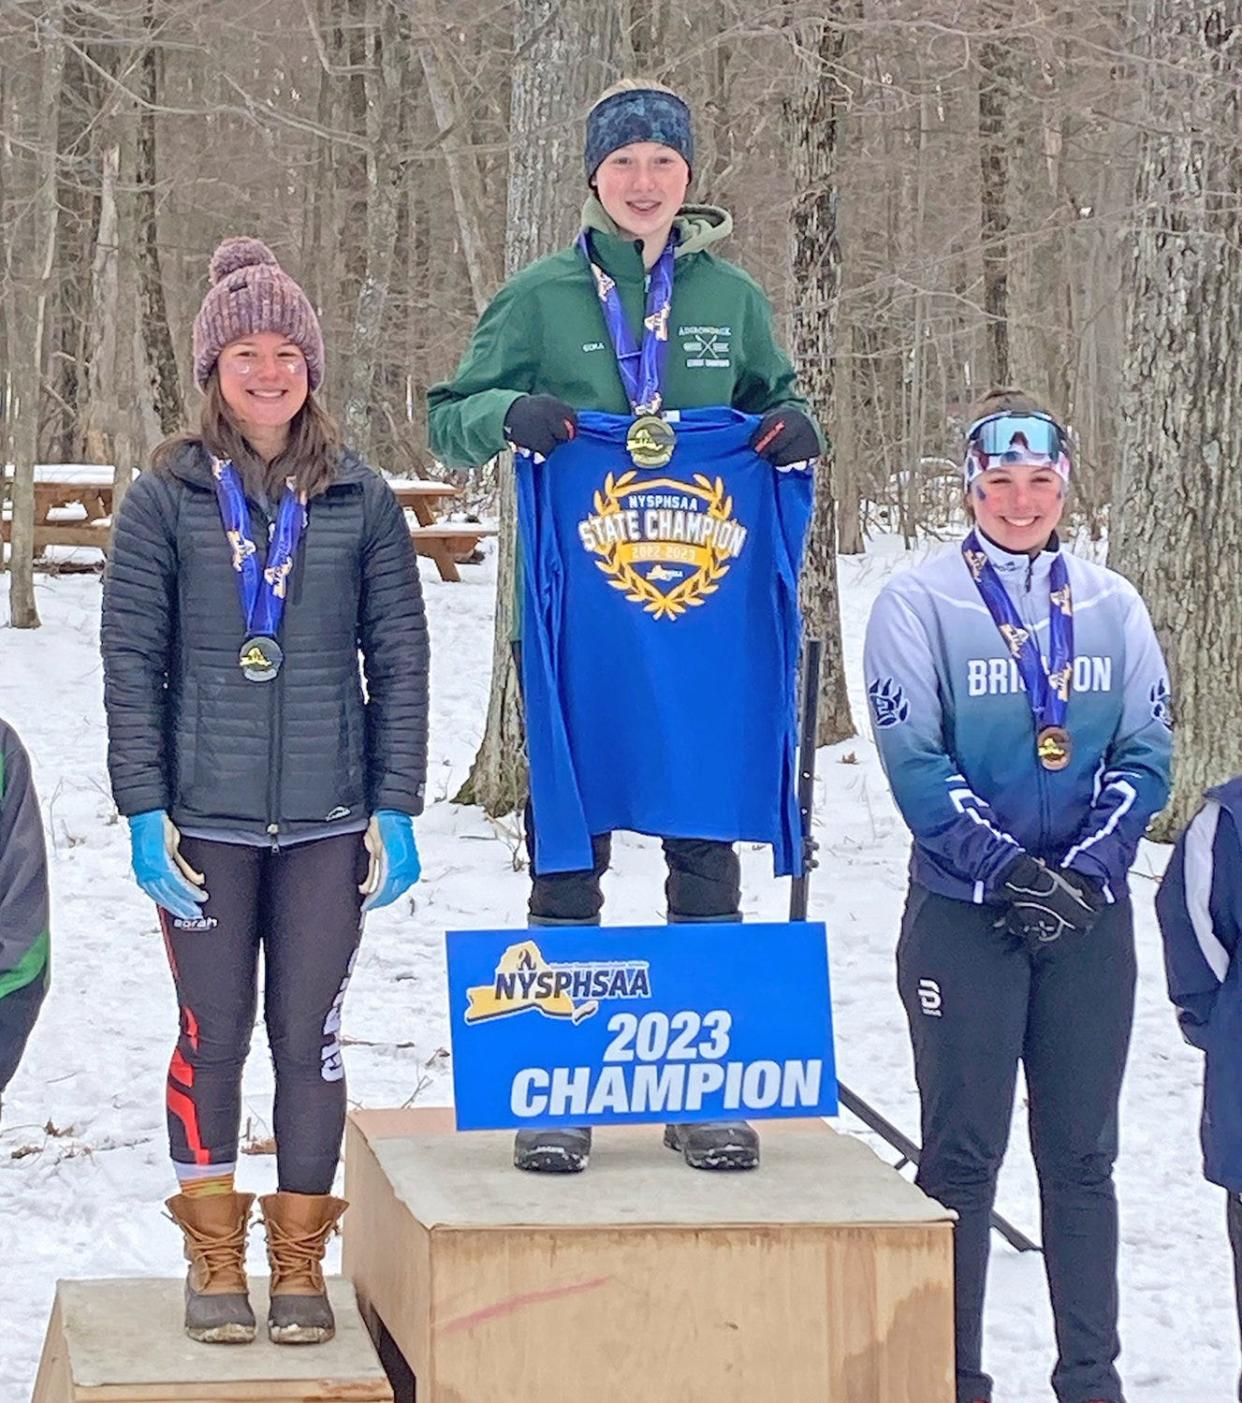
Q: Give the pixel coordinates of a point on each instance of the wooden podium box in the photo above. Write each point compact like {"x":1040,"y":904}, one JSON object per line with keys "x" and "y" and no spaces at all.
{"x":820,"y":1277}
{"x":122,"y":1341}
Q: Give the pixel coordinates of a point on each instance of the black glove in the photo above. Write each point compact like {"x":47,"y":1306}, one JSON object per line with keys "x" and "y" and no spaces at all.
{"x":1091,"y":890}
{"x":540,"y":423}
{"x":785,"y":436}
{"x":1044,"y":903}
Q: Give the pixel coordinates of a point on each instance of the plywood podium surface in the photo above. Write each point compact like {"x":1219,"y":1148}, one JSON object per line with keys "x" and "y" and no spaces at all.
{"x":121,"y":1341}
{"x":822,"y":1276}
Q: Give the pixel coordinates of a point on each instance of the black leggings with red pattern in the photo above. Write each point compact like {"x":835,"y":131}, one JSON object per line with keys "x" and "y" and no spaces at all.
{"x":302,"y":907}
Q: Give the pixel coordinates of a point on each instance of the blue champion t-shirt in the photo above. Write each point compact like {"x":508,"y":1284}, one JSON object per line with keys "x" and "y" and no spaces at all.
{"x":660,"y":632}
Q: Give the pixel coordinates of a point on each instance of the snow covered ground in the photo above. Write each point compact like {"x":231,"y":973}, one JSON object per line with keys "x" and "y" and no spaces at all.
{"x":83,"y":1164}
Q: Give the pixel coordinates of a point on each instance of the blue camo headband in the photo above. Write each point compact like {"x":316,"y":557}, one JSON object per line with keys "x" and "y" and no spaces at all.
{"x":641,"y":114}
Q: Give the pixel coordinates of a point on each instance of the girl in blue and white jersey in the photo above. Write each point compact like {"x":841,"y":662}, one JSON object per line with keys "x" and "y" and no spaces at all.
{"x":1021,"y":708}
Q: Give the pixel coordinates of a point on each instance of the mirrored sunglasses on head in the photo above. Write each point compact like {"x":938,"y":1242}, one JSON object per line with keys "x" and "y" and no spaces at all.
{"x":1017,"y":438}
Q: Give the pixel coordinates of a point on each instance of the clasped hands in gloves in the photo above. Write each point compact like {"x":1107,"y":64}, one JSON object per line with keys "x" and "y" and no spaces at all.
{"x":1043,"y":903}
{"x":170,"y":881}
{"x":541,"y":423}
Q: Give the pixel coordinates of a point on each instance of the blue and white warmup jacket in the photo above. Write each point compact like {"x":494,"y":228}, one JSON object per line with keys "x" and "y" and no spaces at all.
{"x":1200,"y":909}
{"x":956,"y":734}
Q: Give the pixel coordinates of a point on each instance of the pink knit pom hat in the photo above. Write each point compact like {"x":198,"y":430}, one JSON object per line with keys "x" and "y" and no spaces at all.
{"x":251,"y":292}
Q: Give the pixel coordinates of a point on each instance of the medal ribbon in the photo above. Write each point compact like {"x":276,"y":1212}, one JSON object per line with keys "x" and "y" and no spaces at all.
{"x":1047,"y":686}
{"x":262,"y":592}
{"x":641,"y":367}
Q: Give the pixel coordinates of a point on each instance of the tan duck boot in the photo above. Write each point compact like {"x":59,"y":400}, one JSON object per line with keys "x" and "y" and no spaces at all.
{"x":217,"y":1309}
{"x":298,"y":1228}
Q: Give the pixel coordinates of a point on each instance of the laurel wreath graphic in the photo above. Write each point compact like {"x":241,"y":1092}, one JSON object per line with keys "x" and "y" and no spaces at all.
{"x":622,"y":575}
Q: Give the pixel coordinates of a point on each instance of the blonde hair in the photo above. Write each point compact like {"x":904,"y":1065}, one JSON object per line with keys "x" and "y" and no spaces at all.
{"x":634,"y":85}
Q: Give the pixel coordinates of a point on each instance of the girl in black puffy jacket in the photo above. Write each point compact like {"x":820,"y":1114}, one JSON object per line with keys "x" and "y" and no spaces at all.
{"x":270,"y":798}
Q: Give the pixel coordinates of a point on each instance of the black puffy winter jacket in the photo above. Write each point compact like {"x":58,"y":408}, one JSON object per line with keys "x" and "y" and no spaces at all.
{"x":188,"y":733}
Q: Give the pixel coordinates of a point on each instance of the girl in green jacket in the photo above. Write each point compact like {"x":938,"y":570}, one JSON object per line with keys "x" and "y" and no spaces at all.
{"x":541,"y":352}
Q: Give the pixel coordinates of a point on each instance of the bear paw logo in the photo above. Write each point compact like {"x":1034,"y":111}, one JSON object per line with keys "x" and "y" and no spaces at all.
{"x":888,"y":702}
{"x":1162,"y":704}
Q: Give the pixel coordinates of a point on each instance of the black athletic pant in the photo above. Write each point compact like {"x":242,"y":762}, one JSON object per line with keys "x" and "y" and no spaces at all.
{"x":1233,"y":1217}
{"x":18,"y":1010}
{"x":978,"y":1003}
{"x":303,"y":907}
{"x":704,"y":882}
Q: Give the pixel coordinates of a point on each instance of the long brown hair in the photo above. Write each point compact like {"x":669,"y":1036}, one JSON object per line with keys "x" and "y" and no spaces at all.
{"x":310,"y":457}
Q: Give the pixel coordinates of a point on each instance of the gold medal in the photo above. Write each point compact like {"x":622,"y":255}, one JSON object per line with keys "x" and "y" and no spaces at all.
{"x":260,"y":659}
{"x":1053,"y":747}
{"x":650,"y":441}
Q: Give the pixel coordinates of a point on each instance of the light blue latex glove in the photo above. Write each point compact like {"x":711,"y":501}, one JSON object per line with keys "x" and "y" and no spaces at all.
{"x":394,"y":858}
{"x":165,"y":876}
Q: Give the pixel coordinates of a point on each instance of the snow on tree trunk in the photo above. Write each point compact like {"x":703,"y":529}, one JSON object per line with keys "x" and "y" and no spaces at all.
{"x":1177,"y":517}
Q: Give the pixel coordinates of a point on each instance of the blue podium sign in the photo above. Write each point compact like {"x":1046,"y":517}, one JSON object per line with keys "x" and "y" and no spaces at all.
{"x":631,"y":1024}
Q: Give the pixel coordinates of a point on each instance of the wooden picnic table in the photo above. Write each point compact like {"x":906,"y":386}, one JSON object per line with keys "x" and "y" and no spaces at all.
{"x":87,"y":486}
{"x":88,"y":489}
{"x":448,"y":543}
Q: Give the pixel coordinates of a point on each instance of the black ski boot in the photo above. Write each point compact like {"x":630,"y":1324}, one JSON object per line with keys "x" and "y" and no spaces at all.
{"x":558,"y":1150}
{"x":715,"y":1144}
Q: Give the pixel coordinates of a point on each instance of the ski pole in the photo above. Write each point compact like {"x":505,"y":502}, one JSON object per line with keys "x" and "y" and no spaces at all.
{"x":798,"y":895}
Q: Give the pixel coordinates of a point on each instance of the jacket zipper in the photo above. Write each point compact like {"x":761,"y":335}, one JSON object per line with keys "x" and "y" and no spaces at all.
{"x":1041,"y":778}
{"x":273,"y":761}
{"x":275,"y":688}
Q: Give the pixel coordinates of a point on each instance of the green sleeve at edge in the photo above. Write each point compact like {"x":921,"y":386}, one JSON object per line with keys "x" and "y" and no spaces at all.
{"x":769,"y":380}
{"x":31,"y":965}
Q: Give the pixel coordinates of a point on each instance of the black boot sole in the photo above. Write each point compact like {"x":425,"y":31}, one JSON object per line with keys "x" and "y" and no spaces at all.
{"x":550,"y":1159}
{"x":723,"y":1157}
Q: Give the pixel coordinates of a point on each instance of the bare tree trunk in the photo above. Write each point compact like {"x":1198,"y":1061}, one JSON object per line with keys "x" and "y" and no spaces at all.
{"x":387,"y":76}
{"x":156,"y":334}
{"x":814,"y":116}
{"x":99,"y":422}
{"x":28,"y":358}
{"x":845,"y":445}
{"x":475,"y":210}
{"x":8,"y":301}
{"x":563,"y":57}
{"x":916,"y":407}
{"x":137,"y":428}
{"x":993,"y":177}
{"x":1178,"y":527}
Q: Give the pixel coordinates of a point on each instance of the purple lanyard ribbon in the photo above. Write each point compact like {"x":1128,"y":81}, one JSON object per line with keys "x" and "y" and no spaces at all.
{"x":641,"y":367}
{"x":262,"y":593}
{"x":1048,"y":687}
